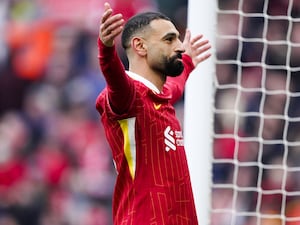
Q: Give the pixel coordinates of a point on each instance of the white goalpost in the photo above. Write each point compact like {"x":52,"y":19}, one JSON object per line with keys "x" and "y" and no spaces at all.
{"x":242,"y":113}
{"x":198,"y":112}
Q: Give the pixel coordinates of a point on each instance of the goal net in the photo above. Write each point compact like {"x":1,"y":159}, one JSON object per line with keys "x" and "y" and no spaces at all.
{"x":255,"y":169}
{"x":256,"y":138}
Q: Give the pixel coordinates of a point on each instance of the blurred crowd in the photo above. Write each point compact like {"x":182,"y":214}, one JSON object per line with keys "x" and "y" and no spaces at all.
{"x":55,"y":164}
{"x":256,"y":169}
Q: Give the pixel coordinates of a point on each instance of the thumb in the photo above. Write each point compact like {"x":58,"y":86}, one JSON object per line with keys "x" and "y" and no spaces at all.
{"x":106,"y":6}
{"x":187,"y":37}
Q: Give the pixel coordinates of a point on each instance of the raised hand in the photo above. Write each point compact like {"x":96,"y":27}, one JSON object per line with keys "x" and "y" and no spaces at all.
{"x":110,"y":26}
{"x":196,"y":47}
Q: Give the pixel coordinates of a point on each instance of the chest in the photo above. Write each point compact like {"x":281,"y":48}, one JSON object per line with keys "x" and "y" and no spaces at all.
{"x":156,"y":112}
{"x":157,"y":123}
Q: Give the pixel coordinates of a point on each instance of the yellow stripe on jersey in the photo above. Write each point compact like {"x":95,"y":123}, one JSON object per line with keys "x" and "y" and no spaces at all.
{"x":128,"y":129}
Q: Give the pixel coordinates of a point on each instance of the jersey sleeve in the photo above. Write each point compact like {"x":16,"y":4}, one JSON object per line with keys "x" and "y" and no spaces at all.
{"x":120,"y":88}
{"x":177,"y":84}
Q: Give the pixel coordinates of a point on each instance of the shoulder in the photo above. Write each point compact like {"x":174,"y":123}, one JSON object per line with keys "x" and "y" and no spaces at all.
{"x":138,"y":96}
{"x":100,"y":101}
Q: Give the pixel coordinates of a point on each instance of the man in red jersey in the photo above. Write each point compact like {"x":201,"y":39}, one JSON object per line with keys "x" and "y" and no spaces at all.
{"x":153,"y":184}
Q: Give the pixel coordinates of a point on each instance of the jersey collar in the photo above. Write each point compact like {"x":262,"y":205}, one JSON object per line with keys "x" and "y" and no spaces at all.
{"x":141,"y":79}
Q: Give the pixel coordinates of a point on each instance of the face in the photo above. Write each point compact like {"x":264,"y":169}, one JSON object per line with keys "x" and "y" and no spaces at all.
{"x":164,"y":48}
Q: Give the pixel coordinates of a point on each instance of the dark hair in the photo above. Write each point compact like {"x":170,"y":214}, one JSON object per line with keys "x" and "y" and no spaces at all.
{"x":138,"y":23}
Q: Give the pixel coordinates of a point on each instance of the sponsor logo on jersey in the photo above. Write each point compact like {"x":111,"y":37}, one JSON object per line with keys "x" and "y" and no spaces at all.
{"x":173,"y":139}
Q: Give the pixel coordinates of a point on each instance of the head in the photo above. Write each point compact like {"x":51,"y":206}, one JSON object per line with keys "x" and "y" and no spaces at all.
{"x":152,"y":35}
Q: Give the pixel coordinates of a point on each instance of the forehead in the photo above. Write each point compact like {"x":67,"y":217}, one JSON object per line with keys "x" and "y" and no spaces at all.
{"x":161,"y":27}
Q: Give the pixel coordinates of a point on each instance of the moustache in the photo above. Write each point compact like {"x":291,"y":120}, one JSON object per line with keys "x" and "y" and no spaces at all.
{"x":177,"y":56}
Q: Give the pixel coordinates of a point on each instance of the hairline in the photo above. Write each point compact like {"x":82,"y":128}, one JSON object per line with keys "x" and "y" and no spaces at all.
{"x":144,"y":27}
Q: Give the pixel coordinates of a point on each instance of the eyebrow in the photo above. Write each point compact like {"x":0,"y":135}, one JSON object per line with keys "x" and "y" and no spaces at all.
{"x":170,"y":35}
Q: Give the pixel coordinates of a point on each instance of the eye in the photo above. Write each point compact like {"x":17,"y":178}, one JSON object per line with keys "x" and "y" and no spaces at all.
{"x":169,"y":39}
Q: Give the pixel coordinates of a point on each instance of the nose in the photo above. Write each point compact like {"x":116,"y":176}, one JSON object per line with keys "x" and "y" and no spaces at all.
{"x":179,"y":47}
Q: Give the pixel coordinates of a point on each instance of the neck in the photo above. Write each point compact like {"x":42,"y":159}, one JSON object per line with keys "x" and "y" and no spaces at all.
{"x":155,"y":78}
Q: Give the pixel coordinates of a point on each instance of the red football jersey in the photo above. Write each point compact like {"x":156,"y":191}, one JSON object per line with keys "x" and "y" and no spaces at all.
{"x":153,"y":184}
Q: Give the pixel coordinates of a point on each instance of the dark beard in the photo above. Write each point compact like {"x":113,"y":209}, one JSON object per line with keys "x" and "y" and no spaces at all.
{"x":173,"y":66}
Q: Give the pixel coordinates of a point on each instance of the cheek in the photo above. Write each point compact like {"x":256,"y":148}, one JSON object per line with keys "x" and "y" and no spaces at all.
{"x":154,"y":56}
{"x":156,"y":48}
{"x":154,"y":51}
{"x":159,"y":52}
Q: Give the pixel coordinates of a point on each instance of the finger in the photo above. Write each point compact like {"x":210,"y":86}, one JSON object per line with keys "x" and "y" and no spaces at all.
{"x":201,"y":58}
{"x":107,"y":13}
{"x":106,"y":6}
{"x":109,"y":30}
{"x":112,"y":23}
{"x":200,"y":51}
{"x":112,"y":20}
{"x":116,"y":25}
{"x":199,"y":44}
{"x":114,"y":28}
{"x":202,"y":55}
{"x":187,"y":36}
{"x":196,"y":39}
{"x":113,"y":34}
{"x":203,"y":49}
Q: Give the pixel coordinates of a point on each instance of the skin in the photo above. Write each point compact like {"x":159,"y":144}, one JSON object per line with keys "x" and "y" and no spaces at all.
{"x":147,"y":50}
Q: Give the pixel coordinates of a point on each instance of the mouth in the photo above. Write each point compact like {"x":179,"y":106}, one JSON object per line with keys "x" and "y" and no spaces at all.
{"x":177,"y":57}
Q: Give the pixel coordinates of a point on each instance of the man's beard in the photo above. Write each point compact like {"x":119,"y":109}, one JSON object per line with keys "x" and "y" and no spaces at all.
{"x":173,"y":66}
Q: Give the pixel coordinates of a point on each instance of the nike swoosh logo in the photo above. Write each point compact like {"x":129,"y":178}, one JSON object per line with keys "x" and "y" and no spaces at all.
{"x":157,"y":106}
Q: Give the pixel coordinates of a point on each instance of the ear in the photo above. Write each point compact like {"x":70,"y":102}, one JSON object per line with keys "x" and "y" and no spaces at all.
{"x":139,"y":46}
